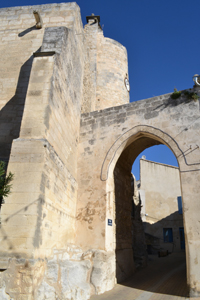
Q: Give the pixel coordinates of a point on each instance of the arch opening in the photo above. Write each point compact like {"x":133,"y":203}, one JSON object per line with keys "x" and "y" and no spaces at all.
{"x":130,"y":239}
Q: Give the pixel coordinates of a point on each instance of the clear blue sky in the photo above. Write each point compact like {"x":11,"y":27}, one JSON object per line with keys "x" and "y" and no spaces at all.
{"x":161,"y":37}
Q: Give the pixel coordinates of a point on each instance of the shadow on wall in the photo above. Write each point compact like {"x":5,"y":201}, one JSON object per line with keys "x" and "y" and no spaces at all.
{"x":27,"y":31}
{"x":8,"y":245}
{"x":164,"y":275}
{"x":166,"y":234}
{"x":123,"y":206}
{"x":11,"y":114}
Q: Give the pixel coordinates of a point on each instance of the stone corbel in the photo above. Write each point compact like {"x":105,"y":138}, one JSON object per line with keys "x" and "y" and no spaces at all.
{"x":38,"y":19}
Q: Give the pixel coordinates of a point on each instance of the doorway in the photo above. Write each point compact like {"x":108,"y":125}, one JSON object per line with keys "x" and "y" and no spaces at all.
{"x":131,"y":240}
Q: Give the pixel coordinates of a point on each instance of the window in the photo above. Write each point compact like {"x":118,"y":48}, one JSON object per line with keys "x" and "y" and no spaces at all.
{"x":168,"y":235}
{"x":179,"y":199}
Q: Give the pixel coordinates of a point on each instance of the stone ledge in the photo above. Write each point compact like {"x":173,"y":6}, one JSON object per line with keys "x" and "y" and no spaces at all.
{"x":3,"y":263}
{"x":39,"y":54}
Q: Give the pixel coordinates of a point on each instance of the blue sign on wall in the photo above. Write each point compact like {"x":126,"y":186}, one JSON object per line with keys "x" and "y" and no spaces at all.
{"x":109,"y":222}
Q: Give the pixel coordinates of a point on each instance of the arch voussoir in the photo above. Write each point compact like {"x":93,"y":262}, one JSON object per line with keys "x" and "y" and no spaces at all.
{"x":129,"y":137}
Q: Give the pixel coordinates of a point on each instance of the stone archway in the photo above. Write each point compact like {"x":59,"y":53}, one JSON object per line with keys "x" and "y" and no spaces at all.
{"x":116,"y":170}
{"x":112,"y":135}
{"x":152,"y":135}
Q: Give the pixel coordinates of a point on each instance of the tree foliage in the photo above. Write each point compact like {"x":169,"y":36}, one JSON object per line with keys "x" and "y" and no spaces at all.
{"x":5,"y":182}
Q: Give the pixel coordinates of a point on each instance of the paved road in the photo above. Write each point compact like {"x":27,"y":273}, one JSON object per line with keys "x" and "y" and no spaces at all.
{"x":163,"y":279}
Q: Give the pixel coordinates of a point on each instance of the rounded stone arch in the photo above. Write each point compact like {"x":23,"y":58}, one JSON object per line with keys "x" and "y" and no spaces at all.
{"x":134,"y":141}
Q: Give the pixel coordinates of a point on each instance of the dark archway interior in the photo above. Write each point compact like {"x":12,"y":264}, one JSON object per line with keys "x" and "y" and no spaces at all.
{"x":123,"y":198}
{"x":129,"y":231}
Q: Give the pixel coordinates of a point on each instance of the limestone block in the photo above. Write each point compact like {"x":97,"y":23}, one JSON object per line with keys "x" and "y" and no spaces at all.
{"x":46,"y":292}
{"x":25,"y":297}
{"x":3,"y":294}
{"x":103,"y":272}
{"x":52,"y":272}
{"x":20,"y":208}
{"x":66,"y":279}
{"x":74,"y":276}
{"x":54,"y":36}
{"x":56,"y":19}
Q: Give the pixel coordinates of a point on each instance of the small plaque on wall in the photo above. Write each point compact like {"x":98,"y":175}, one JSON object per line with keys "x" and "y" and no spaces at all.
{"x":109,"y":222}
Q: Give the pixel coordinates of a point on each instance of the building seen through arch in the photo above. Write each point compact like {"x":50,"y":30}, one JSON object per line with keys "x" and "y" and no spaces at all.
{"x":161,"y":202}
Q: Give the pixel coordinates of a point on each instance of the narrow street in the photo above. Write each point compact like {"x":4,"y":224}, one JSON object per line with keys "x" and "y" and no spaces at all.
{"x":163,"y":279}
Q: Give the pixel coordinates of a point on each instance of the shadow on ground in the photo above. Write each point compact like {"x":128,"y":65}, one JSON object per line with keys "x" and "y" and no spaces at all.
{"x":163,"y":279}
{"x":164,"y":275}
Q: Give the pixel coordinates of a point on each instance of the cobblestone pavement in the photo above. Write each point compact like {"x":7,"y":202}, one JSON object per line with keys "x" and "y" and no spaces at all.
{"x":163,"y":279}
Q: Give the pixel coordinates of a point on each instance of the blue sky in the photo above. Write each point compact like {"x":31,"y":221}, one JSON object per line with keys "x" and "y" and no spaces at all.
{"x":162,"y":40}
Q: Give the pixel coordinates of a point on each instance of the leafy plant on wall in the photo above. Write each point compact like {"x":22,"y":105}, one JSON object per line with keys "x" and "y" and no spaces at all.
{"x":5,"y":182}
{"x":190,"y":95}
{"x":176,"y":94}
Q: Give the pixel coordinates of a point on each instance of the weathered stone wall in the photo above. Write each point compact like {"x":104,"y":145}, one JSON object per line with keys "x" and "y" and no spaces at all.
{"x":106,"y":67}
{"x":112,"y":68}
{"x":122,"y":133}
{"x":161,"y":184}
{"x":38,"y":219}
{"x":39,"y":216}
{"x":124,"y":243}
{"x":19,"y":40}
{"x":69,"y":274}
{"x":43,"y":224}
{"x":50,"y":125}
{"x":191,"y":207}
{"x":91,"y":32}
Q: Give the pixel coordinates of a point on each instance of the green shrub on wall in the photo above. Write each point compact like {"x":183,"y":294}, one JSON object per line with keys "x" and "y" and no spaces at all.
{"x":176,"y":94}
{"x":190,"y":95}
{"x":5,"y":186}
